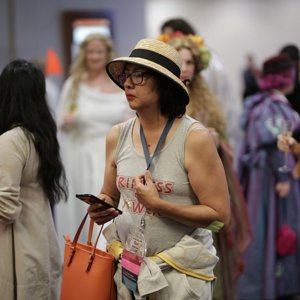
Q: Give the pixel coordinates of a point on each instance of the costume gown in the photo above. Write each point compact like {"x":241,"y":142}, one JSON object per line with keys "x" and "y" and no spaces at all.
{"x":268,"y":275}
{"x":83,"y":152}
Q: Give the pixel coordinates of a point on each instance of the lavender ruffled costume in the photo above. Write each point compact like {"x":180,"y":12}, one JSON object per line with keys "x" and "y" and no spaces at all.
{"x":268,"y":275}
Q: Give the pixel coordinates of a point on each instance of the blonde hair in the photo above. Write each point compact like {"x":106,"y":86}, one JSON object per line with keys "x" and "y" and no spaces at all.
{"x":79,"y":66}
{"x":201,"y":98}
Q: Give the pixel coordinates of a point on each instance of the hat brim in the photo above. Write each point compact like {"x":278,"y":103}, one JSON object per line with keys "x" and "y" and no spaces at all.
{"x":116,"y":67}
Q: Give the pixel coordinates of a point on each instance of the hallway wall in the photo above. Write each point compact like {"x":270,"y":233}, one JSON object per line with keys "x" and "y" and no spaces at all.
{"x":38,"y":25}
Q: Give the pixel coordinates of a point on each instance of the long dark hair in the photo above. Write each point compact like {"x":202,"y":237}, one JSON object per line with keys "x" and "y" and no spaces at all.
{"x":23,"y":103}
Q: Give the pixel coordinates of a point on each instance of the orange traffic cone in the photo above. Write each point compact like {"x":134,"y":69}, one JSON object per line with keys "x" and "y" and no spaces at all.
{"x":52,"y":64}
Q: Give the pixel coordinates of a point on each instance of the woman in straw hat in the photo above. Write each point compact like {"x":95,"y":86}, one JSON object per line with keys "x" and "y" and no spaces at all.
{"x":163,"y":171}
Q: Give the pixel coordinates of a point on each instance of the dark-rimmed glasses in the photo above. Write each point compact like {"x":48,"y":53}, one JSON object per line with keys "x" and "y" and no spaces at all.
{"x":136,"y":77}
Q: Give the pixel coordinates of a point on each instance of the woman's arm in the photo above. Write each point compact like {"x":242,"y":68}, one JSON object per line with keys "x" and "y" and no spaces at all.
{"x":207,"y":178}
{"x":12,"y":161}
{"x":65,"y":117}
{"x":109,"y":191}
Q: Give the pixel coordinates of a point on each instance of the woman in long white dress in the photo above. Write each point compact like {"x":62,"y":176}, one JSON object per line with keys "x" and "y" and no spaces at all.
{"x":90,"y":104}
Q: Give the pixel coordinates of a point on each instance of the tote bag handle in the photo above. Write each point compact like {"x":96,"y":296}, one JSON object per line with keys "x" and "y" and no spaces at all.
{"x":75,"y":240}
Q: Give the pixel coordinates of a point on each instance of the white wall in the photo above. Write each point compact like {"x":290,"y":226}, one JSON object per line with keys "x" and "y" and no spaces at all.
{"x":233,"y":27}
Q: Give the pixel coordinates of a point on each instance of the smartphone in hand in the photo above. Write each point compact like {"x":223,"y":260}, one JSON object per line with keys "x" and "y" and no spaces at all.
{"x":91,"y":199}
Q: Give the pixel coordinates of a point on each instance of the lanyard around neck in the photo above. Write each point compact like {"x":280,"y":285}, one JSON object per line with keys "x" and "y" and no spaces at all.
{"x":160,"y":141}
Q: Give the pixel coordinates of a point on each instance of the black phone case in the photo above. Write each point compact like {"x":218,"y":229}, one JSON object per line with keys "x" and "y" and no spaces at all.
{"x":91,"y":199}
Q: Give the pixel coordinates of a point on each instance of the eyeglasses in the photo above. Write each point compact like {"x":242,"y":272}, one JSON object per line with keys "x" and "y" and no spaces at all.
{"x":136,"y":77}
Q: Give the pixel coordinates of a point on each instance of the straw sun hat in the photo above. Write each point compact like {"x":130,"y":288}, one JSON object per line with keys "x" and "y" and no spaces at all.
{"x":155,"y":55}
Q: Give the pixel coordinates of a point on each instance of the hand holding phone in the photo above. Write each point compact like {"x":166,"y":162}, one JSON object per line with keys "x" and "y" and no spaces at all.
{"x":91,"y":199}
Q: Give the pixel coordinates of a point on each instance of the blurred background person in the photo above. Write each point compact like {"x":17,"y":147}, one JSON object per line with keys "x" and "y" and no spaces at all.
{"x":216,"y":78}
{"x":31,"y":179}
{"x":177,"y":25}
{"x":294,"y":97}
{"x":231,"y":241}
{"x":250,"y":76}
{"x":90,"y":104}
{"x":272,"y":261}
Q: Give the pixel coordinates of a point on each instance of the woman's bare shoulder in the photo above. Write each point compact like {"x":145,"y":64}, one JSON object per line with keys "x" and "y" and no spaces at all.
{"x":114,"y":132}
{"x":198,"y":134}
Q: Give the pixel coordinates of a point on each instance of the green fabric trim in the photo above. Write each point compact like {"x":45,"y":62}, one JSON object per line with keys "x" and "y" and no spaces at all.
{"x":215,"y":226}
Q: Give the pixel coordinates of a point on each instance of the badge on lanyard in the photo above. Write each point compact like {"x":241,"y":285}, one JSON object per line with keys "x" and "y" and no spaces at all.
{"x":132,"y":257}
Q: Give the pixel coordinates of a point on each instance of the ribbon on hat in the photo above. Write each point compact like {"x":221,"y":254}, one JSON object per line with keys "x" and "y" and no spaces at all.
{"x":158,"y":59}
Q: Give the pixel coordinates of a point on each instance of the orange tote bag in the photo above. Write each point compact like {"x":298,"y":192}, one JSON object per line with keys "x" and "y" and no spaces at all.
{"x":88,"y":272}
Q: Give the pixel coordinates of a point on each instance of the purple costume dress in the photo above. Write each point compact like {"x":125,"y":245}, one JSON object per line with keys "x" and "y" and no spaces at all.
{"x":268,"y":275}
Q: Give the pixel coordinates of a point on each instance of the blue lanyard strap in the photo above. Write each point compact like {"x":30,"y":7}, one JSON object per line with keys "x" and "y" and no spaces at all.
{"x":160,"y":141}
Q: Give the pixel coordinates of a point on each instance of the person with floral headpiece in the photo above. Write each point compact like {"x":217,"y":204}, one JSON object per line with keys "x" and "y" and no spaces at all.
{"x":204,"y":107}
{"x":216,"y":78}
{"x":272,"y":261}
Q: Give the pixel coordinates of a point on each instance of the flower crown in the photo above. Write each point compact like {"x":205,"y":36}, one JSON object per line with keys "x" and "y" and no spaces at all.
{"x":198,"y":40}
